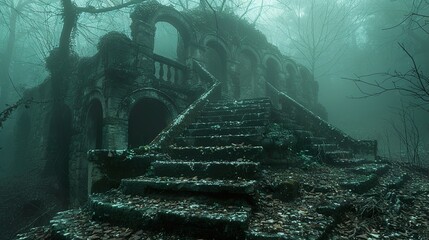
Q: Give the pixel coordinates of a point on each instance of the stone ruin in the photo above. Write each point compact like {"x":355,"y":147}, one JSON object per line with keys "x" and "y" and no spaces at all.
{"x":201,"y":146}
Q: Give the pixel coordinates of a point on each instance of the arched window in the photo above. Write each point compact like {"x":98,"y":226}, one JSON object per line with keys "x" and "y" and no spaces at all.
{"x":168,"y":42}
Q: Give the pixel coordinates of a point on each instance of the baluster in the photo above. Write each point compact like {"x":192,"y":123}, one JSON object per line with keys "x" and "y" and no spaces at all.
{"x":169,"y":73}
{"x":161,"y":71}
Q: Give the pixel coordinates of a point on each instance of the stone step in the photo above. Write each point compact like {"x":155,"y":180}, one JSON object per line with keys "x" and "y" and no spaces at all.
{"x":216,"y":130}
{"x":231,"y":152}
{"x":339,"y":154}
{"x":215,"y":170}
{"x":294,"y":126}
{"x":327,"y":147}
{"x":234,"y":117}
{"x":143,"y":185}
{"x":395,"y":180}
{"x":347,"y":162}
{"x":303,"y":134}
{"x":234,"y":111}
{"x":239,"y":102}
{"x":219,"y":140}
{"x":318,"y":140}
{"x":360,"y":184}
{"x":368,"y":169}
{"x":79,"y":224}
{"x":204,"y":218}
{"x":226,"y":124}
{"x":295,"y":220}
{"x":266,"y":105}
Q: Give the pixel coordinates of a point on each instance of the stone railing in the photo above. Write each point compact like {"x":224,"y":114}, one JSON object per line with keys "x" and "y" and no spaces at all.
{"x":186,"y":117}
{"x":108,"y":167}
{"x":317,"y":125}
{"x":168,"y":70}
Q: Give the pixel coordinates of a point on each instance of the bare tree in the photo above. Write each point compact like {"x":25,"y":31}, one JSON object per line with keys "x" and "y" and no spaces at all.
{"x":414,"y":83}
{"x":12,"y":9}
{"x":408,"y":133}
{"x":317,"y":29}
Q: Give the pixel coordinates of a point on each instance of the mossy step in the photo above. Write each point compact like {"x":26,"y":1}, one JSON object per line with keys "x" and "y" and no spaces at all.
{"x":369,"y":169}
{"x":304,"y":134}
{"x":264,"y":105}
{"x":80,"y":225}
{"x":317,"y":140}
{"x":288,"y":221}
{"x":350,"y":162}
{"x":333,"y":155}
{"x":394,"y":181}
{"x":231,"y":111}
{"x":220,"y":140}
{"x":325,"y":147}
{"x":184,"y":216}
{"x":225,"y":124}
{"x":234,"y":117}
{"x":226,"y":153}
{"x":142,"y":185}
{"x":238,"y":102}
{"x":217,"y":130}
{"x":360,"y":184}
{"x":215,"y":170}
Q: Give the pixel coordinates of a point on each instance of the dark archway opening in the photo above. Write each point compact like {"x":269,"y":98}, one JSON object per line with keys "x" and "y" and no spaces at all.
{"x":58,"y":155}
{"x":216,"y":60}
{"x":273,"y":71}
{"x":94,"y":140}
{"x":147,"y":119}
{"x":247,"y":73}
{"x":94,"y":124}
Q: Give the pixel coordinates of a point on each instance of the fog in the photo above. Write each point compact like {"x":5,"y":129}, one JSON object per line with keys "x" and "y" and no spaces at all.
{"x":357,"y":50}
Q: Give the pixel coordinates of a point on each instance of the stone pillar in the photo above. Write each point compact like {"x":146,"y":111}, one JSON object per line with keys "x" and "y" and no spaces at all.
{"x":143,"y":35}
{"x":115,"y":133}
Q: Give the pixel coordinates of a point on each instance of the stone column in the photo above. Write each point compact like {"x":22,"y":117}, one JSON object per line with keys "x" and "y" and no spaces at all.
{"x":143,"y":35}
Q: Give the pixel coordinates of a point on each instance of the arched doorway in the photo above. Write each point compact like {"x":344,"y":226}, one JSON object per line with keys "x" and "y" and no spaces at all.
{"x":94,"y":140}
{"x":272,"y":72}
{"x":247,"y":74}
{"x":147,"y":119}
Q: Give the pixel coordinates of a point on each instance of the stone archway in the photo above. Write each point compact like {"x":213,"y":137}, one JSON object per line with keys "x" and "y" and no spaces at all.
{"x":147,"y":118}
{"x":93,"y":140}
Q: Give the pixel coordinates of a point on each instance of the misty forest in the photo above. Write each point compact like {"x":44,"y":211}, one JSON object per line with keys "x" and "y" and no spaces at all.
{"x":214,"y":119}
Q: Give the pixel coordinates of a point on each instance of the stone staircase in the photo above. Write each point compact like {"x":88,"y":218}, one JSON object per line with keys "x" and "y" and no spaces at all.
{"x":207,"y":184}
